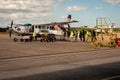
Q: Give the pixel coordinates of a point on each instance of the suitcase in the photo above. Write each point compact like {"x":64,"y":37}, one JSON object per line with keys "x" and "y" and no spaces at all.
{"x":119,"y":43}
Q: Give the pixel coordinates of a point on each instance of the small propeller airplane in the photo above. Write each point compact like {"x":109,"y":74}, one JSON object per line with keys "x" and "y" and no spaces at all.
{"x":56,"y":28}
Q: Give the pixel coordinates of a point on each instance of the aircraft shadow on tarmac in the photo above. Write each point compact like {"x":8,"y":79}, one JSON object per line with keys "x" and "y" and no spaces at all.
{"x":109,"y":71}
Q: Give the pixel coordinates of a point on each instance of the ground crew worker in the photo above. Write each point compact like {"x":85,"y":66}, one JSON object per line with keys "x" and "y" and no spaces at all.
{"x":34,"y":36}
{"x":88,"y":35}
{"x":46,"y":38}
{"x":76,"y":35}
{"x":71,"y":35}
{"x":83,"y":35}
{"x":93,"y":35}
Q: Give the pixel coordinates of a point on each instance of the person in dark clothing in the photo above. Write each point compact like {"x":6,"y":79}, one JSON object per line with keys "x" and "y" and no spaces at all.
{"x":68,"y":33}
{"x":76,"y":35}
{"x":81,"y":36}
{"x":93,"y":35}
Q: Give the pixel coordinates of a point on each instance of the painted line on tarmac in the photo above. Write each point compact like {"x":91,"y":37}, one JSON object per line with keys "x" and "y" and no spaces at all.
{"x":59,"y":53}
{"x":112,"y":78}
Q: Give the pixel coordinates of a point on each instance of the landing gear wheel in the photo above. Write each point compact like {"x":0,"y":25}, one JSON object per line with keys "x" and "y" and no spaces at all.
{"x":41,"y":40}
{"x":53,"y":39}
{"x":24,"y":40}
{"x":15,"y":39}
{"x":21,"y":40}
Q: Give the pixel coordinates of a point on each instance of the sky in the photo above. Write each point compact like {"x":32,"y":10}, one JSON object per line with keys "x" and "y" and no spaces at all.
{"x":46,"y":11}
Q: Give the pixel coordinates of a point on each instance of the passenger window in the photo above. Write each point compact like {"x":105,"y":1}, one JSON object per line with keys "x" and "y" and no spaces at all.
{"x":51,"y":27}
{"x":39,"y":27}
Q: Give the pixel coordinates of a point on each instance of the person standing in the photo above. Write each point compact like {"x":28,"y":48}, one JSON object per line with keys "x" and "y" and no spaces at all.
{"x":88,"y":35}
{"x":34,"y":36}
{"x":81,"y":36}
{"x":71,"y":36}
{"x":76,"y":35}
{"x":93,"y":35}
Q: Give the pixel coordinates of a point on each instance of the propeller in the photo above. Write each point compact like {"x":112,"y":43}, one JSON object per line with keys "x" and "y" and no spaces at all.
{"x":10,"y":29}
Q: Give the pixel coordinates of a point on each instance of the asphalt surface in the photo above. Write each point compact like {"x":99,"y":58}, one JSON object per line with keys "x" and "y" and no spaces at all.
{"x":59,"y":60}
{"x":100,"y":72}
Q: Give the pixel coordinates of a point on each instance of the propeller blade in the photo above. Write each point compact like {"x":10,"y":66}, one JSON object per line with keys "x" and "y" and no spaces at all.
{"x":11,"y":24}
{"x":10,"y":32}
{"x":10,"y":29}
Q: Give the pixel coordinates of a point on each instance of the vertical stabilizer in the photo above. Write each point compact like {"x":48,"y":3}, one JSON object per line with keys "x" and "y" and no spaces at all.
{"x":69,"y":18}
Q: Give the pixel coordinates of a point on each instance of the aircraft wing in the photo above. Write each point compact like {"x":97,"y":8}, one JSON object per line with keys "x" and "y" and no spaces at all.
{"x":59,"y":23}
{"x":64,"y":22}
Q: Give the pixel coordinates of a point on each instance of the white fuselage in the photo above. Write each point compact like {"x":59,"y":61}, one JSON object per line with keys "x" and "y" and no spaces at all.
{"x":39,"y":29}
{"x":20,"y":29}
{"x":48,"y":29}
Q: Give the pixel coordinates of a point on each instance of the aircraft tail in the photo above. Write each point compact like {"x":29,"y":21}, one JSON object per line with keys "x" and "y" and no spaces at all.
{"x":69,"y":18}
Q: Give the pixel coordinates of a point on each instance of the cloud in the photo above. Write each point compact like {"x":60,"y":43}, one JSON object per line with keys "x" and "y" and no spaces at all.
{"x":22,"y":9}
{"x":64,"y":16}
{"x":98,"y":8}
{"x":76,"y":8}
{"x":113,"y":2}
{"x":63,"y":0}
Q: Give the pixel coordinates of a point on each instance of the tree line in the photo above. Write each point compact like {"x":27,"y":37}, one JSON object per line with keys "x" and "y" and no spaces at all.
{"x":3,"y":29}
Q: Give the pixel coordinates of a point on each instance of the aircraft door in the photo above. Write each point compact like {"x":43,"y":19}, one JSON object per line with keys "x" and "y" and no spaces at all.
{"x":32,"y":29}
{"x":36,"y":29}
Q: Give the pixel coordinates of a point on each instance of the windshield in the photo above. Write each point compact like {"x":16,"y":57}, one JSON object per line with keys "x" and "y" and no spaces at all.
{"x":27,"y":25}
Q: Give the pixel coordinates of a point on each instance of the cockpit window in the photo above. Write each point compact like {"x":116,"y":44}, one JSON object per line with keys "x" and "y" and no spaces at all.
{"x":27,"y":25}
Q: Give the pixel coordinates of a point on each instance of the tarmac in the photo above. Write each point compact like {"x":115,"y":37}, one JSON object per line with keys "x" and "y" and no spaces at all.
{"x":9,"y":48}
{"x":67,"y":59}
